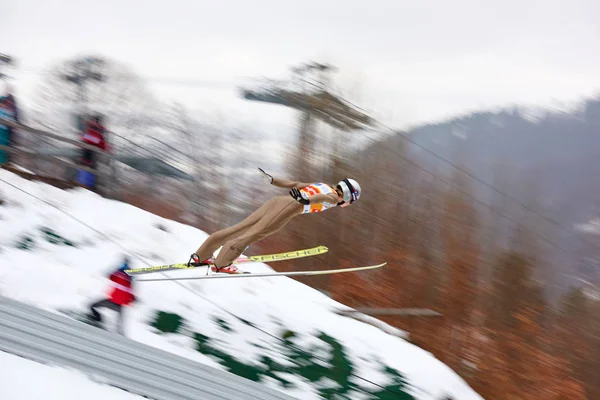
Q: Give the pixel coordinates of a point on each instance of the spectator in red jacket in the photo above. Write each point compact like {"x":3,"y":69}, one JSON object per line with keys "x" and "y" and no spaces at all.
{"x":94,"y":135}
{"x":120,"y":294}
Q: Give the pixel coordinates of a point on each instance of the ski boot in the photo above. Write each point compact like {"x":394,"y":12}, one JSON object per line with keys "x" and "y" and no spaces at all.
{"x":227,"y":269}
{"x":195,"y":261}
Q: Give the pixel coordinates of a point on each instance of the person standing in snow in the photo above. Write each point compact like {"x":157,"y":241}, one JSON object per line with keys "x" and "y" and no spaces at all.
{"x":94,"y":135}
{"x":272,"y":216}
{"x":120,"y":295}
{"x":10,"y":103}
{"x":8,"y":110}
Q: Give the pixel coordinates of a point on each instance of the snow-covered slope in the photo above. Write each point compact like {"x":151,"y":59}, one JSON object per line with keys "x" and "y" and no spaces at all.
{"x":55,"y":254}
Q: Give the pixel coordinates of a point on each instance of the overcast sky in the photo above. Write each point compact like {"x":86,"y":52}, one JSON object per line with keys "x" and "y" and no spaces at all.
{"x":410,"y":61}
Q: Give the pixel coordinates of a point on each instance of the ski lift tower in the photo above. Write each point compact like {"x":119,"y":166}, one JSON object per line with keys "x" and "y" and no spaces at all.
{"x":309,"y":92}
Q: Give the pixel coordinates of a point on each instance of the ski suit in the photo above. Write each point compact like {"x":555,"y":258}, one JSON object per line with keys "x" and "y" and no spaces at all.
{"x":265,"y":221}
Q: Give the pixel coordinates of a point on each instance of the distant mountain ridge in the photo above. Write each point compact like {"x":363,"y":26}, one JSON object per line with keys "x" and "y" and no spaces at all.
{"x":555,"y":155}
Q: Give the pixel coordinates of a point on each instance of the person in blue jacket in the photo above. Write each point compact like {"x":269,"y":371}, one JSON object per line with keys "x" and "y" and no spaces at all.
{"x":7,"y":111}
{"x":10,"y":111}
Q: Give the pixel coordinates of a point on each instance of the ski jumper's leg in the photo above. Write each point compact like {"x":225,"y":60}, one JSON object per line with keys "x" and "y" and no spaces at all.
{"x":282,"y":209}
{"x":216,"y":240}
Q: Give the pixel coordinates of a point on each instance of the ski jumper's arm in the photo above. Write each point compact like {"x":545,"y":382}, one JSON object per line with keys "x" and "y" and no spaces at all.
{"x":288,"y":184}
{"x":330,"y":198}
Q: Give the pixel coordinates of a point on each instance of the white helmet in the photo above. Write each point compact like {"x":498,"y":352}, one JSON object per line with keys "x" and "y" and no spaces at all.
{"x":351,"y":190}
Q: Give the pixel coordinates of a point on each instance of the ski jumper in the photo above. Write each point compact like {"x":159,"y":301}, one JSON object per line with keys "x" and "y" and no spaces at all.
{"x":266,"y":220}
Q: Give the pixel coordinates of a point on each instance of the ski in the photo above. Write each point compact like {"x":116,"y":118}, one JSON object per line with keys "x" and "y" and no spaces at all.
{"x":265,"y":274}
{"x":290,"y":255}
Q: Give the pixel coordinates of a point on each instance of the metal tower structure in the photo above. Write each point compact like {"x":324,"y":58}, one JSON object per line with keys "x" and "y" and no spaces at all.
{"x":309,"y":92}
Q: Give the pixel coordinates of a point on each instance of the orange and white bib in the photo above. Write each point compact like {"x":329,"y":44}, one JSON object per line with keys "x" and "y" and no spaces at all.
{"x":311,"y":190}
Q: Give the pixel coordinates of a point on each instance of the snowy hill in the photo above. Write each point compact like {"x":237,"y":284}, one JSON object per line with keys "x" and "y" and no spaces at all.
{"x":55,"y":252}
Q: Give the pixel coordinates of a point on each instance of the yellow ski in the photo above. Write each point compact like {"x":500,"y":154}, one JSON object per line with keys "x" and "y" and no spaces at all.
{"x":290,"y":255}
{"x":284,"y":256}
